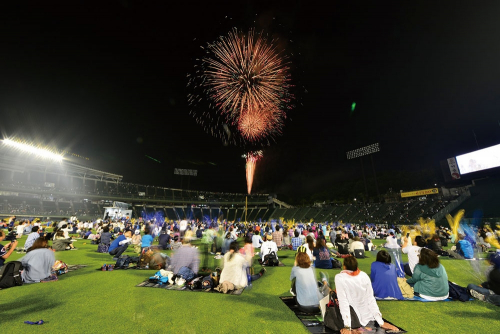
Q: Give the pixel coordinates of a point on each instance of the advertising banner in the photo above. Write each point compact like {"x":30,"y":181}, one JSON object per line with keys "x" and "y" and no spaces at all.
{"x":432,"y":191}
{"x":452,"y":163}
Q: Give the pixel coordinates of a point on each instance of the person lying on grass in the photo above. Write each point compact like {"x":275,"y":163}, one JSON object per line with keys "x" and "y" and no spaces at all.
{"x":235,"y":267}
{"x":429,"y":279}
{"x":490,"y":290}
{"x":354,"y":289}
{"x":37,"y":262}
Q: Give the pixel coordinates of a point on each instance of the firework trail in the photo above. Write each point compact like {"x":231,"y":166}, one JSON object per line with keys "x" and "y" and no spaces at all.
{"x":244,"y":81}
{"x":252,"y":158}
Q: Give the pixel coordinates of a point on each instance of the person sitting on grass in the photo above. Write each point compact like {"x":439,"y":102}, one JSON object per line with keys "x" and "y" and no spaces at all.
{"x":120,"y":244}
{"x":105,"y":239}
{"x":147,"y":239}
{"x":256,"y":240}
{"x":434,"y":244}
{"x":305,"y":288}
{"x":228,"y":239}
{"x":37,"y":262}
{"x":413,"y":252}
{"x":384,"y":277}
{"x":177,"y":243}
{"x":185,"y":256}
{"x":356,"y":244}
{"x":31,"y":238}
{"x":322,"y":255}
{"x":61,"y":243}
{"x":463,"y":249}
{"x":235,"y":267}
{"x":489,"y":291}
{"x":392,"y":241}
{"x":6,"y":250}
{"x":164,"y":240}
{"x":296,"y":241}
{"x":137,"y":241}
{"x":268,"y":247}
{"x":354,"y":289}
{"x":429,"y":280}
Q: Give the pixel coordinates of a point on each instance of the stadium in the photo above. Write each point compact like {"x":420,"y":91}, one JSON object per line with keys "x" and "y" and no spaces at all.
{"x":249,"y":167}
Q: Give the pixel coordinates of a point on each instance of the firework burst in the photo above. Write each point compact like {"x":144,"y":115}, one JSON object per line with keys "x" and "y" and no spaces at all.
{"x":252,"y":158}
{"x":245,"y":83}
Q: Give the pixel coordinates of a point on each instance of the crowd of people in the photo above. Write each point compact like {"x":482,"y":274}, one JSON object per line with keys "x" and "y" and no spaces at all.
{"x":317,"y":246}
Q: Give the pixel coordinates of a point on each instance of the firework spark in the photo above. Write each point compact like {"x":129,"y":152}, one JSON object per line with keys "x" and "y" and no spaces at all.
{"x":254,"y":124}
{"x":252,"y":158}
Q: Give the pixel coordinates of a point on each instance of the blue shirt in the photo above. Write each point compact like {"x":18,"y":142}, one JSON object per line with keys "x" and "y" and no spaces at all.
{"x":323,"y":260}
{"x":116,"y":242}
{"x":385,"y":281}
{"x":466,"y":249}
{"x":147,"y":240}
{"x":306,"y":286}
{"x":296,"y":243}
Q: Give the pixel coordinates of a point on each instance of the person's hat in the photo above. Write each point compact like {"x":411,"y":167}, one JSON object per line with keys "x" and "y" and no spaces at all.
{"x":269,"y":237}
{"x":137,"y":232}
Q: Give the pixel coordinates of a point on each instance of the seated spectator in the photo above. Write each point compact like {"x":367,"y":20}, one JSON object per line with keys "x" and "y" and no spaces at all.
{"x":463,"y":249}
{"x":286,"y":238}
{"x":120,"y":244}
{"x":356,"y":244}
{"x":227,"y":242}
{"x":137,"y":241}
{"x":256,"y":240}
{"x":31,"y":238}
{"x":384,"y":277}
{"x":20,"y":230}
{"x":105,"y":236}
{"x":278,"y":238}
{"x":354,"y":289}
{"x":37,"y":262}
{"x":147,"y":239}
{"x":296,"y":241}
{"x":164,"y":240}
{"x":305,"y":286}
{"x":429,"y":277}
{"x":490,"y":290}
{"x":268,"y":247}
{"x":434,"y":244}
{"x":189,"y":234}
{"x":392,"y":241}
{"x":413,"y":252}
{"x":322,"y":255}
{"x":177,"y":243}
{"x":309,"y":247}
{"x":235,"y":267}
{"x":185,"y":256}
{"x":61,"y":243}
{"x":6,"y":250}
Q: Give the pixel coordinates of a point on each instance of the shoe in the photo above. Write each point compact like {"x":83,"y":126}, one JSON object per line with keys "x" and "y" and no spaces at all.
{"x":324,"y":277}
{"x":477,"y":295}
{"x":291,"y":292}
{"x":262,"y":271}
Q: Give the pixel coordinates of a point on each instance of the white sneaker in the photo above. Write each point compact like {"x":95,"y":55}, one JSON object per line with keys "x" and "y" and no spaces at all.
{"x":477,"y":295}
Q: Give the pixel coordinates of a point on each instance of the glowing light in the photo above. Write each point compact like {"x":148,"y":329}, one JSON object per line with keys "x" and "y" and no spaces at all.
{"x":252,"y":158}
{"x":37,"y":151}
{"x":454,"y":222}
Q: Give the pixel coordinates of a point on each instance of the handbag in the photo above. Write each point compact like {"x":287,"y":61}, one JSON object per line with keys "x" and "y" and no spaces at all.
{"x":333,"y":317}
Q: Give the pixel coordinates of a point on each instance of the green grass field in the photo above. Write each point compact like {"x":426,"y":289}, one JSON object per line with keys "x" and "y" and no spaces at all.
{"x":92,"y":301}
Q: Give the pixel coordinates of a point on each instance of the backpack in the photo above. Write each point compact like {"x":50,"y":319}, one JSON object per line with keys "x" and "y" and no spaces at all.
{"x":336,"y":264}
{"x":458,"y":292}
{"x":124,"y":261}
{"x":59,"y":268}
{"x":11,"y":275}
{"x":207,"y":283}
{"x":271,"y":260}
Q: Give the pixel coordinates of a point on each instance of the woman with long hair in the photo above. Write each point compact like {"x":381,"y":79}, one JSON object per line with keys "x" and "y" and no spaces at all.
{"x":37,"y":262}
{"x":429,"y":277}
{"x":235,"y":265}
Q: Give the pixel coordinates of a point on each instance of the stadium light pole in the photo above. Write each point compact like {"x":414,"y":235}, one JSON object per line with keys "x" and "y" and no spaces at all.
{"x":360,"y":153}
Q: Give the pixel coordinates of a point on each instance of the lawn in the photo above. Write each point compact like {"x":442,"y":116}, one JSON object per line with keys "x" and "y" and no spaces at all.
{"x":92,"y":301}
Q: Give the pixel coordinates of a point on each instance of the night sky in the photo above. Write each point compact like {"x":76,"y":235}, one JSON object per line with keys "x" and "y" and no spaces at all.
{"x":107,"y":80}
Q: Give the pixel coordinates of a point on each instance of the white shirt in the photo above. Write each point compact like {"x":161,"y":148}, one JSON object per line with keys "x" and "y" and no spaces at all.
{"x":268,"y":247}
{"x":357,"y":291}
{"x":391,"y":242}
{"x":413,"y":252}
{"x":235,"y":269}
{"x":256,"y":240}
{"x":309,"y":251}
{"x":356,"y":245}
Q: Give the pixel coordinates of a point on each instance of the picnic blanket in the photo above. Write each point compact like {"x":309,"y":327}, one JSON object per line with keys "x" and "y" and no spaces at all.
{"x":147,"y":284}
{"x":420,"y":299}
{"x":314,"y":322}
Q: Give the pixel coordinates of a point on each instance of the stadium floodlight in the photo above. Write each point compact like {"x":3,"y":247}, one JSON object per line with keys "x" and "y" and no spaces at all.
{"x":188,"y":172}
{"x":366,"y":150}
{"x":39,"y":152}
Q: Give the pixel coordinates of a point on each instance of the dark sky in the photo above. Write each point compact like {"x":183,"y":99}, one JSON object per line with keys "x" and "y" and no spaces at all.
{"x":107,"y":80}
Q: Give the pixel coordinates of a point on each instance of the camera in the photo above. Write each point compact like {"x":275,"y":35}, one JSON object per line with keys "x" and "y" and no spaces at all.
{"x":11,"y":236}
